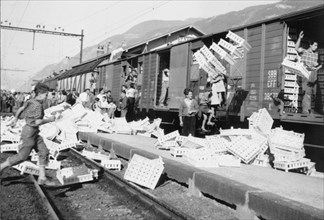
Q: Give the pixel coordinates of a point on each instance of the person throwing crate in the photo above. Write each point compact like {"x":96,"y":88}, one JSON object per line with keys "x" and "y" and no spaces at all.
{"x":309,"y":58}
{"x":32,"y":111}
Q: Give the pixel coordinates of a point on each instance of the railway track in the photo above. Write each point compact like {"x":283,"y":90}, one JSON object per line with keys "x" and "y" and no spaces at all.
{"x":109,"y":197}
{"x":135,"y":202}
{"x":162,"y":208}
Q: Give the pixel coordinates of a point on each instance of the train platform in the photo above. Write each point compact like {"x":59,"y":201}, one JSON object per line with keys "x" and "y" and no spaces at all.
{"x":255,"y":190}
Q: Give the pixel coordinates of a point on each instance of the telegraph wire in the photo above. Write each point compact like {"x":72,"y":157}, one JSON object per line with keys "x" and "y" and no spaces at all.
{"x":86,"y":17}
{"x":131,"y":19}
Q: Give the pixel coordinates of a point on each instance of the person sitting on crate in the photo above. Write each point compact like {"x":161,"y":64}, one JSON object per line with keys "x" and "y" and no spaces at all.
{"x":309,"y":58}
{"x":32,"y":111}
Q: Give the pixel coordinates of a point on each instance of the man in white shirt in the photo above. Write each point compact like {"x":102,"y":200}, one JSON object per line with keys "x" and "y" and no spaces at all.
{"x":101,"y":94}
{"x":165,"y":87}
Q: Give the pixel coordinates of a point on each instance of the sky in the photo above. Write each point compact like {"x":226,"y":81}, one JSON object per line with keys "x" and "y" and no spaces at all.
{"x":99,"y":20}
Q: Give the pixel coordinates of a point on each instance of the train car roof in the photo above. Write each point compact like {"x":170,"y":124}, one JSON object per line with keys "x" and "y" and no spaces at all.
{"x":313,"y":11}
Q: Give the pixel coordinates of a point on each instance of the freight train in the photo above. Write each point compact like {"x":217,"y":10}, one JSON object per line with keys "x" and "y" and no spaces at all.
{"x":252,"y":81}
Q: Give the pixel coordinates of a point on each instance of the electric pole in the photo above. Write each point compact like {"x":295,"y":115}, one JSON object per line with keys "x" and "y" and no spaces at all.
{"x":34,"y":31}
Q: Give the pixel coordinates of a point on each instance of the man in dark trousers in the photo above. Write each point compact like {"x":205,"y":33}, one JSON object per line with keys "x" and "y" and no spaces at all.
{"x":70,"y":98}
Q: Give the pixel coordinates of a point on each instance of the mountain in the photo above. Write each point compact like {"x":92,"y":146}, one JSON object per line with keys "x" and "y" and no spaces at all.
{"x":134,"y":35}
{"x":152,"y":28}
{"x":253,"y":14}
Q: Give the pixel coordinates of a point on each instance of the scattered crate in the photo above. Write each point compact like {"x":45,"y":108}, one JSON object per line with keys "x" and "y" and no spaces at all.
{"x":287,"y":140}
{"x":262,"y":160}
{"x":291,"y":84}
{"x":52,"y":164}
{"x":158,"y":133}
{"x":111,"y":164}
{"x":291,"y":90}
{"x":291,"y":77}
{"x":170,"y":136}
{"x":178,"y":151}
{"x":217,"y":144}
{"x":261,"y":121}
{"x":194,"y":142}
{"x":211,"y":58}
{"x":72,"y":175}
{"x":291,"y":43}
{"x":288,"y":156}
{"x":235,"y":132}
{"x":317,"y":174}
{"x":54,"y":109}
{"x":286,"y":166}
{"x":247,"y":149}
{"x":95,"y":156}
{"x":52,"y":147}
{"x":180,"y":139}
{"x":231,"y":48}
{"x":291,"y":50}
{"x":34,"y":157}
{"x":49,"y":131}
{"x":10,"y":137}
{"x":291,"y":57}
{"x":167,"y":145}
{"x":10,"y":147}
{"x":27,"y":167}
{"x":123,"y":130}
{"x":143,"y":171}
{"x":296,"y":67}
{"x":222,"y":53}
{"x":228,"y":160}
{"x":65,"y":145}
{"x":238,"y":40}
{"x":201,"y":158}
{"x":310,"y":169}
{"x":144,"y":134}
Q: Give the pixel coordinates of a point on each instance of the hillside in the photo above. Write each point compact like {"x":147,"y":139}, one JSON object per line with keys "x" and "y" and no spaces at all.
{"x":149,"y":29}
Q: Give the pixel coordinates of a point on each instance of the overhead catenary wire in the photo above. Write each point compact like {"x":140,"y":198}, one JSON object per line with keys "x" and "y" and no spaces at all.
{"x":9,"y":45}
{"x":132,"y":18}
{"x":91,"y":15}
{"x":129,"y":20}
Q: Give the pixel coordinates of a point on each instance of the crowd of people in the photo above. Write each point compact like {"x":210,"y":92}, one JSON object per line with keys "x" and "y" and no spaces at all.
{"x":102,"y":102}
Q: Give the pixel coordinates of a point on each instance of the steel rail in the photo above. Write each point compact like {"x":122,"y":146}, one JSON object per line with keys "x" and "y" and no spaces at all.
{"x":52,"y":210}
{"x":168,"y":211}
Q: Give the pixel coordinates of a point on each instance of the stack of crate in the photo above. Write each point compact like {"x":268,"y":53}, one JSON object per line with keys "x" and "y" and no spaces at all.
{"x":288,"y":150}
{"x":320,"y":78}
{"x":292,"y":91}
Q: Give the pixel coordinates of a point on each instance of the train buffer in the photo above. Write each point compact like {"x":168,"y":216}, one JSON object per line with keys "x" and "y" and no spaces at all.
{"x":303,"y":118}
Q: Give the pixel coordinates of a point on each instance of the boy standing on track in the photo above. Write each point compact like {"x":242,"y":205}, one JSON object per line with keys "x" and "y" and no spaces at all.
{"x":32,"y":111}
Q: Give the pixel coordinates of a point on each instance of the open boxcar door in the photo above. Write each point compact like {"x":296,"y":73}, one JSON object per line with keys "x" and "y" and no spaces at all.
{"x":178,"y":75}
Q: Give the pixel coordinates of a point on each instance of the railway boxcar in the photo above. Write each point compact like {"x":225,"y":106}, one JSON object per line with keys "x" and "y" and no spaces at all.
{"x":253,"y":80}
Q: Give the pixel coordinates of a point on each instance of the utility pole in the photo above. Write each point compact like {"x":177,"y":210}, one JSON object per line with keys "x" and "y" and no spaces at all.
{"x":34,"y":31}
{"x":81,"y":47}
